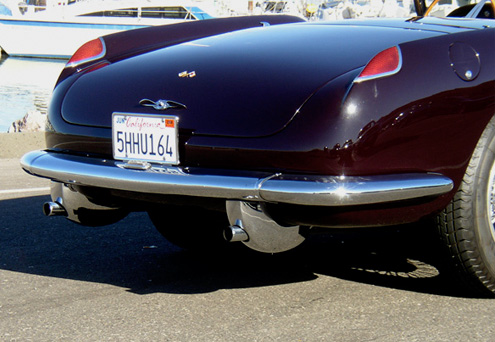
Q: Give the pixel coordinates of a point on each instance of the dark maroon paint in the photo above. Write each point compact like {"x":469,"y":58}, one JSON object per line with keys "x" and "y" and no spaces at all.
{"x":278,"y":99}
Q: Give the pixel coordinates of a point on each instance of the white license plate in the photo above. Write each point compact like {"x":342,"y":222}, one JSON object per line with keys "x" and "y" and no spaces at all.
{"x":151,"y":138}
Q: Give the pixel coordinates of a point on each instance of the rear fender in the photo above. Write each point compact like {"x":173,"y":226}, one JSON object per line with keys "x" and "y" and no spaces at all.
{"x":414,"y":120}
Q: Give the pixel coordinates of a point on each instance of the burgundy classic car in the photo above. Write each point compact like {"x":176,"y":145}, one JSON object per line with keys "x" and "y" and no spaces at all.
{"x":265,"y":128}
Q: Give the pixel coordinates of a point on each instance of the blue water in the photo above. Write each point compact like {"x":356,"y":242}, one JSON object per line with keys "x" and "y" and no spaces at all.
{"x":4,"y":10}
{"x":25,"y":85}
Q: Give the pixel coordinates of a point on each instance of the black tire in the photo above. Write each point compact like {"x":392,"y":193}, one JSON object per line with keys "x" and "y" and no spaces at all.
{"x":466,"y":226}
{"x":188,"y":227}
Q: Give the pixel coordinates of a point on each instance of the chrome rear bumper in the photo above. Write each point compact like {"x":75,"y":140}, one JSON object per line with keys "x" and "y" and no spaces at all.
{"x":241,"y":185}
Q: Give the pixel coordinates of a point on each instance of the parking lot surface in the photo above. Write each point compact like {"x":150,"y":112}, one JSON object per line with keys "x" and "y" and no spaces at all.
{"x":60,"y":282}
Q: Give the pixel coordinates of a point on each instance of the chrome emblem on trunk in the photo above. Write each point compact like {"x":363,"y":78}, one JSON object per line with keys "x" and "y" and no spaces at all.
{"x":162,"y":104}
{"x":187,"y":74}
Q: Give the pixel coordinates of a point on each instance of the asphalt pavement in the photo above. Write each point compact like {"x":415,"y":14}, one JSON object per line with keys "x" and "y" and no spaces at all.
{"x":63,"y":282}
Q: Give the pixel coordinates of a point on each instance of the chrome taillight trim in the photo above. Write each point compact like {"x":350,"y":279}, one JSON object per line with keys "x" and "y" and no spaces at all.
{"x":91,"y":59}
{"x":385,"y":74}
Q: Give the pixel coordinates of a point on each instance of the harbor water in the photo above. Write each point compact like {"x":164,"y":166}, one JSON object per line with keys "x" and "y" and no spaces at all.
{"x":25,"y":86}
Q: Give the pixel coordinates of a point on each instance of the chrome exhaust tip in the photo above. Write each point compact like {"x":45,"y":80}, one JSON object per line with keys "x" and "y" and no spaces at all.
{"x":54,"y":208}
{"x":235,"y":233}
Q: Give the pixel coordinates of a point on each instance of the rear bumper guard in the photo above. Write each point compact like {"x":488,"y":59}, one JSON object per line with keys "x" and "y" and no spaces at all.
{"x":240,"y":185}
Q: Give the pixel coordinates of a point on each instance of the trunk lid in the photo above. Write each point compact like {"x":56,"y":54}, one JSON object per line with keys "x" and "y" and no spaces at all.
{"x":242,"y":84}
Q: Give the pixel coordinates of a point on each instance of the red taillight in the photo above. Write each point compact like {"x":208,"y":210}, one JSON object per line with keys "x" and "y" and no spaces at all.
{"x":386,"y":63}
{"x":90,"y":51}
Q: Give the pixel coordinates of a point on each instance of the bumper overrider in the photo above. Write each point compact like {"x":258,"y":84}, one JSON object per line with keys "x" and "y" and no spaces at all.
{"x":310,"y":190}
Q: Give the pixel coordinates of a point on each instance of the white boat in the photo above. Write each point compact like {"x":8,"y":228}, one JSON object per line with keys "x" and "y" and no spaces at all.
{"x":57,"y":31}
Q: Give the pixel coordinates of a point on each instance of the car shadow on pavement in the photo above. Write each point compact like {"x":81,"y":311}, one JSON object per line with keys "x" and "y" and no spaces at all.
{"x":133,"y":255}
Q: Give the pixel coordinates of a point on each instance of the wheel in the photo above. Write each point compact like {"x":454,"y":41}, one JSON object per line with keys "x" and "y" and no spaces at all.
{"x":467,"y":225}
{"x":190,"y":227}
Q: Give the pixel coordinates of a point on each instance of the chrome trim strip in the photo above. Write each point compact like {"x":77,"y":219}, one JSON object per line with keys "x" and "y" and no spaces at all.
{"x":256,"y":186}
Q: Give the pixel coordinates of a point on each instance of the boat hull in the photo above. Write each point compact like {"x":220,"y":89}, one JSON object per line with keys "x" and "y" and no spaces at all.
{"x":51,"y":39}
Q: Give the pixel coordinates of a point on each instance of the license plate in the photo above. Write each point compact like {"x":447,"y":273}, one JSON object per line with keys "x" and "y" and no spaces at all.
{"x":149,"y":138}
